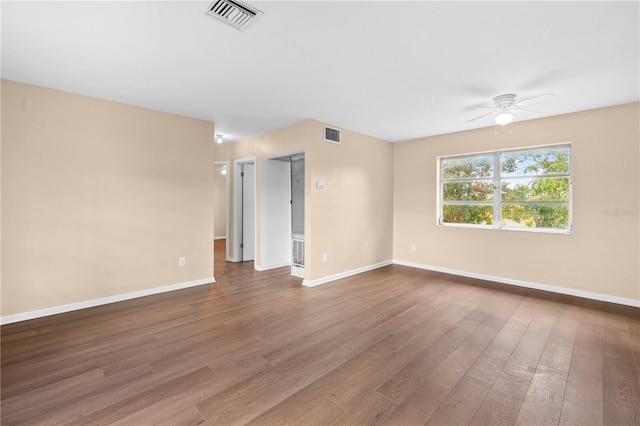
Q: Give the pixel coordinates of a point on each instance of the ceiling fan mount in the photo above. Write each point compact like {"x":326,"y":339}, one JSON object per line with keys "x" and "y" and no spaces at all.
{"x":505,"y":101}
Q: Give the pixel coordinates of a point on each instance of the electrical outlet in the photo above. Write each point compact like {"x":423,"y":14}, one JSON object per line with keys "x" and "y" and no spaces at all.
{"x":325,"y":258}
{"x":413,"y":247}
{"x":182,"y":261}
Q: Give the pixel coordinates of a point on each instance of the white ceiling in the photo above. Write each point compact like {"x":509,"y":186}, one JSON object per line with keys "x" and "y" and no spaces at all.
{"x":393,"y":70}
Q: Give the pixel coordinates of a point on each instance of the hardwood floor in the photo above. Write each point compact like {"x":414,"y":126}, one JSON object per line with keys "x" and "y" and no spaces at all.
{"x":394,"y":346}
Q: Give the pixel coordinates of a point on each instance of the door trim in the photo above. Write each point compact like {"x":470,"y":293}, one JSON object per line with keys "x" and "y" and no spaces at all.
{"x":237,"y":206}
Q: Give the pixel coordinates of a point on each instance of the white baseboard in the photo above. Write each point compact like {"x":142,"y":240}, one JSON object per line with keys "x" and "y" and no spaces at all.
{"x":233,"y":259}
{"x":527,"y":284}
{"x":224,"y":237}
{"x":8,"y":319}
{"x":312,"y":283}
{"x":266,"y":268}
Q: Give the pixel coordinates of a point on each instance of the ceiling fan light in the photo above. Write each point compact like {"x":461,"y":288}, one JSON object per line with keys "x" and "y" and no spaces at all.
{"x":504,"y":118}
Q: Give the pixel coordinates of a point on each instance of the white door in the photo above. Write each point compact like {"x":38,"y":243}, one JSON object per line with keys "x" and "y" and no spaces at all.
{"x":248,"y":211}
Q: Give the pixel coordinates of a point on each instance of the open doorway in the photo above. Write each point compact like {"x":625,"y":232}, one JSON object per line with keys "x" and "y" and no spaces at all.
{"x":244,"y":209}
{"x":282,"y":213}
{"x":221,"y":204}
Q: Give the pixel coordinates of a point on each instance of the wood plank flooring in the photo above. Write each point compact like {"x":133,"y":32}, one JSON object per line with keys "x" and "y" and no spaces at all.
{"x":394,"y":346}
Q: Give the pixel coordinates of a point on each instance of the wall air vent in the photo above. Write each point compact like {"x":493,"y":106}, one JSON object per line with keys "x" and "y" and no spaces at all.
{"x":331,"y":134}
{"x":233,"y":12}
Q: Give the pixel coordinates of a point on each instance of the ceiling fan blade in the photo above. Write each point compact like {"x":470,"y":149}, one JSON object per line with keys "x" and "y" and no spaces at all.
{"x":482,"y":106}
{"x":536,"y":99}
{"x":517,"y":108}
{"x":483,"y":116}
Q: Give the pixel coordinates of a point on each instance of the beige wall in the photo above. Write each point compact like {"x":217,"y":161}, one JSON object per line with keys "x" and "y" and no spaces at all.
{"x":351,"y":219}
{"x":601,"y":256}
{"x":99,"y":198}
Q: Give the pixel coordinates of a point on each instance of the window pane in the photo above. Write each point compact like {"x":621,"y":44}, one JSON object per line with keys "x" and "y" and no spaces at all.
{"x":538,"y":189}
{"x":478,"y":190}
{"x":471,"y":214}
{"x":535,"y":216}
{"x":469,"y":167}
{"x":535,"y":161}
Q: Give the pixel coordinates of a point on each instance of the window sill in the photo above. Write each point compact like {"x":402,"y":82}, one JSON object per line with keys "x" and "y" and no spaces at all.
{"x":493,"y":228}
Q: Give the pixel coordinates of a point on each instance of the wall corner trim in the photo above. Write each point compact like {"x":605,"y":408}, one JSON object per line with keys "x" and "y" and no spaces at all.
{"x":527,"y":284}
{"x":8,"y":319}
{"x":312,"y":283}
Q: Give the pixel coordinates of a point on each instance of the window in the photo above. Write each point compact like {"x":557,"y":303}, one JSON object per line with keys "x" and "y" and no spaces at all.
{"x":528,"y":189}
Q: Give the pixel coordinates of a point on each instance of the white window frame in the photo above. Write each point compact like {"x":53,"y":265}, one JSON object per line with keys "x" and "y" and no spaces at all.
{"x":497,"y":192}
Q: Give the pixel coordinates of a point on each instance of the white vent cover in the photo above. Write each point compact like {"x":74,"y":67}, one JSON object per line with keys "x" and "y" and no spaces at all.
{"x":331,"y":134}
{"x":235,"y":13}
{"x":297,"y":246}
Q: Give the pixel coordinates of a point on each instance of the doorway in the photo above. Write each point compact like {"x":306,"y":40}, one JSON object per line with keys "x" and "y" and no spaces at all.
{"x":282,"y":213}
{"x":297,"y":215}
{"x":245,"y":209}
{"x":221,"y":204}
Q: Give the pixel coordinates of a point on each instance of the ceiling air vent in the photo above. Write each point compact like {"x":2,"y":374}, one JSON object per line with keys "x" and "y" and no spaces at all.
{"x":331,"y":135}
{"x":235,"y":13}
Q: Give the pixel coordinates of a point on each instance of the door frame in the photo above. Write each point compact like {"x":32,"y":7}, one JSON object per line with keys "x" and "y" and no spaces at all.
{"x":264,"y":242}
{"x":237,"y":207}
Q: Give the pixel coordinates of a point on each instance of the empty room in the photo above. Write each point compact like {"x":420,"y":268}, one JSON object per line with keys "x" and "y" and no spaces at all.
{"x":320,"y":212}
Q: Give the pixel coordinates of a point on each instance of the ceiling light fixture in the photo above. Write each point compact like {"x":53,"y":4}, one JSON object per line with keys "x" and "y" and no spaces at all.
{"x":504,"y":118}
{"x":219,"y":137}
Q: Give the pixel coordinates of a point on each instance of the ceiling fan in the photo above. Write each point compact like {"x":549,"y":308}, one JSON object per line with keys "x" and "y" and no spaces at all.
{"x":505,"y":105}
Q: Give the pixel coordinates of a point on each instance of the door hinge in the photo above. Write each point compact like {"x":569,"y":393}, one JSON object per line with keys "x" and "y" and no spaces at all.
{"x":242,"y":174}
{"x":241,"y":245}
